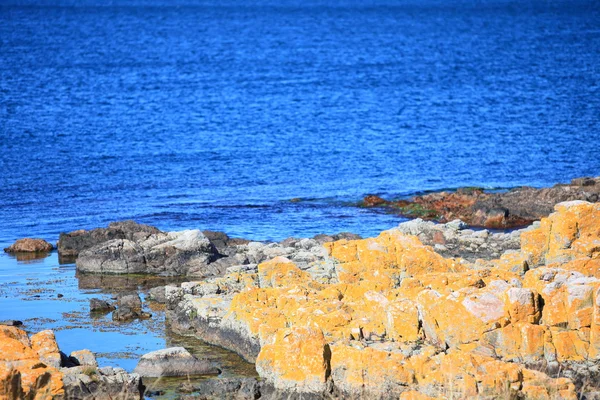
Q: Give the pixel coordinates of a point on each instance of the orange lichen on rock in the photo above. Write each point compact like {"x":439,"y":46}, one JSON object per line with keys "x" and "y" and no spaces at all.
{"x":398,"y":319}
{"x":23,"y":373}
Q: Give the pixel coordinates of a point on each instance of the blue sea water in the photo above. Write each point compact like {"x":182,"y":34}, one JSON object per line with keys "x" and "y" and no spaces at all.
{"x":214,"y":114}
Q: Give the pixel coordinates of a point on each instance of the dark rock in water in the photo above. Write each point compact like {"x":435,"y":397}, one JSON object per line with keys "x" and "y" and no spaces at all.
{"x":132,"y":301}
{"x":72,"y":243}
{"x":91,"y":383}
{"x":129,"y":308}
{"x":11,"y":322}
{"x":167,"y":254}
{"x":98,"y":305}
{"x":124,"y":314}
{"x":174,"y":361}
{"x":60,"y":295}
{"x":28,"y":245}
{"x":515,"y":208}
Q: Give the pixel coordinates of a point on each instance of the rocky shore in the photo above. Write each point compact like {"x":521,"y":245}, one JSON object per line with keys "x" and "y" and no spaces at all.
{"x":424,"y":310}
{"x":476,"y":207}
{"x":388,"y":317}
{"x":35,"y":368}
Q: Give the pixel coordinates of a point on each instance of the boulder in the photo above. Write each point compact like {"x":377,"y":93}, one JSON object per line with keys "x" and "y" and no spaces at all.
{"x":168,"y":254}
{"x":28,"y":245}
{"x":174,"y":361}
{"x":100,"y":306}
{"x":72,"y":243}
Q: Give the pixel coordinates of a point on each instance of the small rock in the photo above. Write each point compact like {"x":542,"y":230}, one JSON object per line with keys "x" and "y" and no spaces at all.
{"x":131,"y":301}
{"x":28,"y":245}
{"x":98,"y":305}
{"x":174,"y":361}
{"x":84,"y":357}
{"x":60,"y":295}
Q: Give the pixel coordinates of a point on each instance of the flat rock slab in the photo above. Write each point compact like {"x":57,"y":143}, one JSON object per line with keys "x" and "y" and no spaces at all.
{"x":174,"y":361}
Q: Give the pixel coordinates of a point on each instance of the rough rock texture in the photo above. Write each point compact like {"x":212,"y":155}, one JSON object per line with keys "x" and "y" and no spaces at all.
{"x":100,"y":306}
{"x":453,"y":239}
{"x":517,"y":207}
{"x":129,"y":307}
{"x":130,"y":248}
{"x":72,"y":243}
{"x":29,"y":246}
{"x":388,"y":317}
{"x":173,"y":253}
{"x":33,"y":368}
{"x":174,"y":361}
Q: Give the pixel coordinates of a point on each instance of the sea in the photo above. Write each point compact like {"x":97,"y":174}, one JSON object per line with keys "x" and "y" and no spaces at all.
{"x":270,"y":119}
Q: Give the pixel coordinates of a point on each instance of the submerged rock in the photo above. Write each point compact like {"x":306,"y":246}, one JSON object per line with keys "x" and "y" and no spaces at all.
{"x":174,"y":361}
{"x":28,"y":245}
{"x":515,"y":208}
{"x":395,"y":319}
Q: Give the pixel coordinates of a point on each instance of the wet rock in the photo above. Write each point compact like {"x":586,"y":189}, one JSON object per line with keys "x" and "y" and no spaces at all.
{"x":174,"y":361}
{"x":132,"y":301}
{"x":100,"y":306}
{"x":72,"y":243}
{"x":28,"y":245}
{"x":476,"y":207}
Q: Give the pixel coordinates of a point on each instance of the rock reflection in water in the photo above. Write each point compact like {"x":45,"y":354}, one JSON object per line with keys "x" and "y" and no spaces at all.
{"x":120,"y":283}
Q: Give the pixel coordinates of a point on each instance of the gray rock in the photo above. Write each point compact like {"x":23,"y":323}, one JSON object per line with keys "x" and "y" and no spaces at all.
{"x":11,"y":322}
{"x":99,"y":306}
{"x":168,"y":254}
{"x":83,"y":358}
{"x":91,"y":383}
{"x":132,"y":301}
{"x":157,"y":294}
{"x":72,"y":243}
{"x":174,"y":361}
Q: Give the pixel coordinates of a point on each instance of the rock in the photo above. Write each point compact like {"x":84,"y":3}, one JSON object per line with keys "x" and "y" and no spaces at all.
{"x":132,"y":301}
{"x":158,"y":294}
{"x":100,"y":306}
{"x":230,"y":389}
{"x":11,"y":322}
{"x":174,"y":361}
{"x":515,"y":208}
{"x":28,"y":370}
{"x":84,"y":358}
{"x":91,"y":383}
{"x":173,"y":253}
{"x":453,"y":240}
{"x":384,"y":324}
{"x":72,"y":243}
{"x":28,"y":245}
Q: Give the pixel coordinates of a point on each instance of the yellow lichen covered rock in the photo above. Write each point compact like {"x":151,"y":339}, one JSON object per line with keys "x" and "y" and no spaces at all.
{"x":296,"y":361}
{"x":397,"y":320}
{"x":23,"y":374}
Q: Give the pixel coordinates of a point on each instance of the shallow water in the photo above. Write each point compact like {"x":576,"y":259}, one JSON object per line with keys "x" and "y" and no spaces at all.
{"x":29,"y":292}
